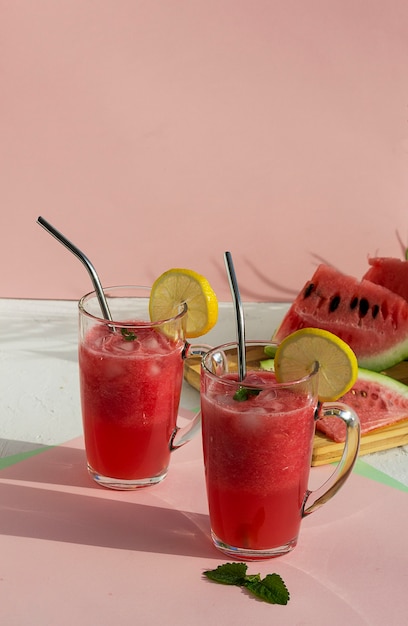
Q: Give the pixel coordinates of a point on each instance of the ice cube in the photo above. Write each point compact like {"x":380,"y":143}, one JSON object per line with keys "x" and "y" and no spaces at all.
{"x":150,"y":345}
{"x":112,"y":368}
{"x":128,"y":346}
{"x":252,"y":419}
{"x":155,"y":369}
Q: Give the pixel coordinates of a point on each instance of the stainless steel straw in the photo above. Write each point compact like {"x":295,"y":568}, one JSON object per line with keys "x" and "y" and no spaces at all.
{"x":239,"y":315}
{"x":84,"y":259}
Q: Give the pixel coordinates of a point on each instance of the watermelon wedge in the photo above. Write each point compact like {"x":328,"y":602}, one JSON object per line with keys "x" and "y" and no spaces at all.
{"x":390,"y":273}
{"x":378,"y":401}
{"x":370,"y":318}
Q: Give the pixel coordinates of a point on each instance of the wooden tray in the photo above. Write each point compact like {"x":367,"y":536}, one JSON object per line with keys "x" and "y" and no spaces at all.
{"x":325,"y":450}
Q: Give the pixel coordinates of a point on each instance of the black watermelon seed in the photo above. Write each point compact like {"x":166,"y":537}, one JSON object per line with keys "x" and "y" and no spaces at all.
{"x":363,"y":307}
{"x":334,"y":303}
{"x":375,"y":310}
{"x":354,"y":302}
{"x":308,"y":290}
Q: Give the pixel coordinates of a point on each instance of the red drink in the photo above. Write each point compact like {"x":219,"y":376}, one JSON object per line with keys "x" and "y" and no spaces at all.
{"x":257,"y":455}
{"x":130,"y":393}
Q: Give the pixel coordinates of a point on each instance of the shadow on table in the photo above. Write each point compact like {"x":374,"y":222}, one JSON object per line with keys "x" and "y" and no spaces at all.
{"x":60,"y":465}
{"x":58,"y":501}
{"x":75,"y":518}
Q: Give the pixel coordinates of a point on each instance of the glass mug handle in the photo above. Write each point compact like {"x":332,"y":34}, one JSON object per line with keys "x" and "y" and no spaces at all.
{"x":316,"y":498}
{"x":181,"y":435}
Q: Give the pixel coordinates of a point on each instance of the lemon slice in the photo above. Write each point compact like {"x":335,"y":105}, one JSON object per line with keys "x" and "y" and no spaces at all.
{"x":178,"y":286}
{"x":338,"y":367}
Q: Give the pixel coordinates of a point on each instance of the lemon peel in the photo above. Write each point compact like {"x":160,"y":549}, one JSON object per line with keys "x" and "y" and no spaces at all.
{"x":178,"y":286}
{"x":338,"y":366}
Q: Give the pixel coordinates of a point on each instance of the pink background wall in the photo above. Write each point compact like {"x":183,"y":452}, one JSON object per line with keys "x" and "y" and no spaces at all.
{"x":160,"y":133}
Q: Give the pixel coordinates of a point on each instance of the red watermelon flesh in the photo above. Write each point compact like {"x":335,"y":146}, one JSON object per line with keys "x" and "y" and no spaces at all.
{"x":378,"y":401}
{"x":370,"y":318}
{"x":390,"y":273}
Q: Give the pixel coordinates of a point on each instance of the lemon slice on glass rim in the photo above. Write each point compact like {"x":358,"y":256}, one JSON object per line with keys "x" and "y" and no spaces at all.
{"x":178,"y":286}
{"x":338,"y":366}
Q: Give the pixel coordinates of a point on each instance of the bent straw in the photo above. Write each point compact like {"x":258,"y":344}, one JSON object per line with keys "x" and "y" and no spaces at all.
{"x":84,"y":259}
{"x":239,"y":315}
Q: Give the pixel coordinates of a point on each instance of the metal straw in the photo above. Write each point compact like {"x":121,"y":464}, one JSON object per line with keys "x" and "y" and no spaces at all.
{"x":84,"y":259}
{"x":239,"y":315}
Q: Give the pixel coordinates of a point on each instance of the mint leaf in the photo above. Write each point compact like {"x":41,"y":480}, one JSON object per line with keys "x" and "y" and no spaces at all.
{"x":228,"y":574}
{"x":271,"y":589}
{"x":127,"y":334}
{"x":244,"y":393}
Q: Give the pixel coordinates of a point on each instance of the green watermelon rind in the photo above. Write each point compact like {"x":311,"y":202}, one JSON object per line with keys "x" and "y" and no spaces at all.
{"x":371,"y":385}
{"x":368,"y":375}
{"x":378,"y":345}
{"x":395,"y":354}
{"x":378,"y":362}
{"x":392,"y":384}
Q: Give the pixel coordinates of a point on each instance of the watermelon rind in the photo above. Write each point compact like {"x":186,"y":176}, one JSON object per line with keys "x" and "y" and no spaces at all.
{"x":268,"y":365}
{"x":370,"y":376}
{"x":376,"y":362}
{"x":389,"y":272}
{"x":382,"y":379}
{"x":386,"y":359}
{"x":370,"y":318}
{"x":377,"y":399}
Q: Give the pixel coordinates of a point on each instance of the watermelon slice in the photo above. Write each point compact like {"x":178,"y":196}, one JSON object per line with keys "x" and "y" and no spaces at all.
{"x":370,"y":318}
{"x":390,"y":273}
{"x":378,"y":401}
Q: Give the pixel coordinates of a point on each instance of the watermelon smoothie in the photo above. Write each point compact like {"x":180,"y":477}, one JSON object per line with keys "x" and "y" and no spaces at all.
{"x":257,"y":455}
{"x":130,"y":379}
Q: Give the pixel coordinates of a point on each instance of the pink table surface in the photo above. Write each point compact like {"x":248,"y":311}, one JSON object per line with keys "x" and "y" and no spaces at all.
{"x":74,"y":553}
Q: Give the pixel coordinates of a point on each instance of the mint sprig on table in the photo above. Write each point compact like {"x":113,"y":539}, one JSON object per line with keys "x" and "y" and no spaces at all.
{"x":270,"y":589}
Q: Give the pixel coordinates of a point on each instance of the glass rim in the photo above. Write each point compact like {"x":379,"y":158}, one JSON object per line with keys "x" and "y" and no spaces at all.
{"x":121,"y":323}
{"x":266,"y":385}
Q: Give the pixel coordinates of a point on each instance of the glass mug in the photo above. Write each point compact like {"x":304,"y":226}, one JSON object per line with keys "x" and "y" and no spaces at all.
{"x":131,"y":373}
{"x":257,"y":445}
